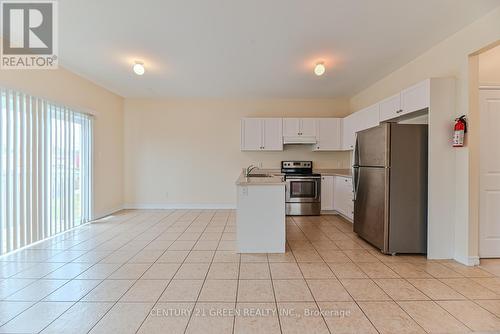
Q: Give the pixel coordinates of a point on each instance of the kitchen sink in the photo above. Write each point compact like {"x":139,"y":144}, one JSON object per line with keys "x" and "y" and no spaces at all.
{"x":260,"y":175}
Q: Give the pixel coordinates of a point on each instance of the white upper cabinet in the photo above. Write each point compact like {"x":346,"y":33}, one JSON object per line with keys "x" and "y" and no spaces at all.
{"x":416,"y":97}
{"x":299,"y":130}
{"x":360,"y":120}
{"x":261,"y":134}
{"x":291,"y":127}
{"x":308,"y":127}
{"x":350,"y":125}
{"x":390,"y":107}
{"x":370,"y":117}
{"x":328,"y":134}
{"x":251,"y":134}
{"x":272,"y":134}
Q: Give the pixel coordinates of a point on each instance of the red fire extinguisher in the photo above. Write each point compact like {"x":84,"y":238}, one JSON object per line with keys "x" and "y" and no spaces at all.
{"x":459,"y":131}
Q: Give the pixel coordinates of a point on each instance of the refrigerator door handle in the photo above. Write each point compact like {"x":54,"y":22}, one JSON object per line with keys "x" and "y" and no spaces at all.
{"x":355,"y":183}
{"x":356,"y":151}
{"x":355,"y":165}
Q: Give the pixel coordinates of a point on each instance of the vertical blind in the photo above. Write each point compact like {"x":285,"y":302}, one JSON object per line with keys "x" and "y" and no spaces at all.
{"x":45,"y":169}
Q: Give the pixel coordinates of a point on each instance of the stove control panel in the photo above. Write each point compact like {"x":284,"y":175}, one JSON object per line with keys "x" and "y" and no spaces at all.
{"x":296,"y":164}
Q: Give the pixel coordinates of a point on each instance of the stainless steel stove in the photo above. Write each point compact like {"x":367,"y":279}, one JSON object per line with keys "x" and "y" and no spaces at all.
{"x":303,"y":188}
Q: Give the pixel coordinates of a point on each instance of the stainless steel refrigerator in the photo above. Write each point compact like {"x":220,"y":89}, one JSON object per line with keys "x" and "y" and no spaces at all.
{"x":390,"y":187}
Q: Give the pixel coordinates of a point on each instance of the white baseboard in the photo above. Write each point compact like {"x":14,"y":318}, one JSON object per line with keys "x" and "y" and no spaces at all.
{"x":468,"y":261}
{"x":194,"y":206}
{"x":105,"y":213}
{"x":473,"y":260}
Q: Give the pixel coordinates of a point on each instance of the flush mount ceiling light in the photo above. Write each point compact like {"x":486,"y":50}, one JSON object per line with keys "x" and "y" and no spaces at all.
{"x":139,"y":68}
{"x":319,"y":69}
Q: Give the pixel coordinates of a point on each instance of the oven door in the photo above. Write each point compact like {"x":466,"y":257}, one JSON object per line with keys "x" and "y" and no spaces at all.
{"x":303,"y":189}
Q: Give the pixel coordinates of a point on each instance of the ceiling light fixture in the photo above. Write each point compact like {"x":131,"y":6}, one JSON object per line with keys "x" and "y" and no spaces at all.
{"x":139,"y":68}
{"x":319,"y":69}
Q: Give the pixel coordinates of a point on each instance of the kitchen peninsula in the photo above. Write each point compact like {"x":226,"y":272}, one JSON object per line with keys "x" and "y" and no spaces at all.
{"x":260,"y":215}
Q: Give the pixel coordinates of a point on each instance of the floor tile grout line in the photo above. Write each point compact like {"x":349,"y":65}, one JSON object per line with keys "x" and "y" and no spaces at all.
{"x":310,"y":241}
{"x":310,"y":291}
{"x":173,"y":276}
{"x":117,"y":301}
{"x":454,"y":289}
{"x":204,"y":280}
{"x":84,"y":297}
{"x":357,"y":305}
{"x":90,"y":238}
{"x":39,"y":301}
{"x":467,"y":299}
{"x":373,"y":280}
{"x":392,"y":299}
{"x":45,"y":261}
{"x":274,"y":291}
{"x":398,"y":305}
{"x":237,"y":290}
{"x":437,"y":304}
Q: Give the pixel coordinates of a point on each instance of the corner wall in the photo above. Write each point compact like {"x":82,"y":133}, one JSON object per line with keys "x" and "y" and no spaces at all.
{"x":447,"y":59}
{"x":64,"y":87}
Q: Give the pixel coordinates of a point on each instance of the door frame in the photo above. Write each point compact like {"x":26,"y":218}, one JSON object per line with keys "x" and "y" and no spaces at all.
{"x":473,"y":142}
{"x":483,"y":89}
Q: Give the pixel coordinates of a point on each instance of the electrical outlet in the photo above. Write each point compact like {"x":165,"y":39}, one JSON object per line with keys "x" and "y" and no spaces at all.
{"x":260,"y":164}
{"x":166,"y":195}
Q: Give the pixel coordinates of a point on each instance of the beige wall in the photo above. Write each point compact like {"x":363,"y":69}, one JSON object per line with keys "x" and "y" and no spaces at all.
{"x":190,"y":149}
{"x":62,"y":86}
{"x":448,"y":58}
{"x":489,"y":67}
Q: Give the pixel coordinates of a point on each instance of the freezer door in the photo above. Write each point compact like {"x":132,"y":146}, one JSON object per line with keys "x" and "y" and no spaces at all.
{"x":371,"y":205}
{"x":372,"y":147}
{"x":408,"y":202}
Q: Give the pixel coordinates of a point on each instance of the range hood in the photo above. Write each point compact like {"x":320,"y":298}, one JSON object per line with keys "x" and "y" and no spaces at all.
{"x":299,"y":140}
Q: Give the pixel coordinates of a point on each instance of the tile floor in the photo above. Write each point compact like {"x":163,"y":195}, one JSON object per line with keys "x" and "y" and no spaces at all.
{"x":177,"y":271}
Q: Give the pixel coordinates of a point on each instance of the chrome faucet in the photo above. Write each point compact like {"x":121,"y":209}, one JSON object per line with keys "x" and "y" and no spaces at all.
{"x":249,"y":169}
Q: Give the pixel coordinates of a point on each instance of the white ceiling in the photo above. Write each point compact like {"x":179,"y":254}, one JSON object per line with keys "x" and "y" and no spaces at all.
{"x":252,"y":48}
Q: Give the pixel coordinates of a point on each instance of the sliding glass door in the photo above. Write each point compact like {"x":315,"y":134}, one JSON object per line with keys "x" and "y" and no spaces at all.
{"x":45,"y":169}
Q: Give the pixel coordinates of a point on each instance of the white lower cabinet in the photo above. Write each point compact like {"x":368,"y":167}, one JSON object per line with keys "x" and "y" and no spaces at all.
{"x":337,"y":195}
{"x":343,"y":196}
{"x":327,"y":193}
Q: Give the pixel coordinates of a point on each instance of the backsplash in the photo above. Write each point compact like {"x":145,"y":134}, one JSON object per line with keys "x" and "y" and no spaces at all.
{"x":271,"y":160}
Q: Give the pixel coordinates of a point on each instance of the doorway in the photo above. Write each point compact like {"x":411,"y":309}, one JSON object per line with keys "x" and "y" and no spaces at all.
{"x":489,"y":153}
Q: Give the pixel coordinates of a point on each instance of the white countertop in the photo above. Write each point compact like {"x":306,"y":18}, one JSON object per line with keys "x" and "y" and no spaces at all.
{"x":277,"y":177}
{"x":334,"y":172}
{"x":259,"y":181}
